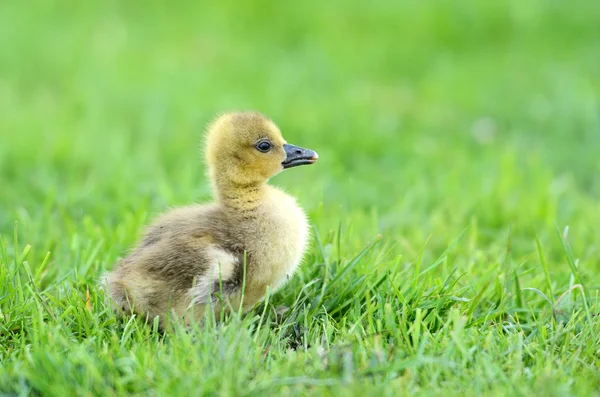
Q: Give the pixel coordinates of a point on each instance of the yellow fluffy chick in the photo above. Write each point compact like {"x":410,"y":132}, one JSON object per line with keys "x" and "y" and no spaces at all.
{"x":191,"y":254}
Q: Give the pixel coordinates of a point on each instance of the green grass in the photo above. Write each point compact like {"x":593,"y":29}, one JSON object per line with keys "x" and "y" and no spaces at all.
{"x":466,"y":134}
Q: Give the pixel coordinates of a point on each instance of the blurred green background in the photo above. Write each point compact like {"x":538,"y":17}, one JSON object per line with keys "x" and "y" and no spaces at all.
{"x":430,"y":118}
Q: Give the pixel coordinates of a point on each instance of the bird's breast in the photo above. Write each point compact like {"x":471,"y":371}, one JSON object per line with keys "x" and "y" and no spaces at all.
{"x":281,"y":236}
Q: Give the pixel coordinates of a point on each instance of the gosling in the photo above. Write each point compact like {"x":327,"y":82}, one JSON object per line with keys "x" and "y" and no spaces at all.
{"x":252,"y":238}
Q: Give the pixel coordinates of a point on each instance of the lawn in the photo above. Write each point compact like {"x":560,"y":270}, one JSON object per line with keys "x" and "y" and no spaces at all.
{"x":455,"y":205}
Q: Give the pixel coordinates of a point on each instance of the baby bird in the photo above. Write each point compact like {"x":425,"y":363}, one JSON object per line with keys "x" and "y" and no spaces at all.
{"x":253,"y":235}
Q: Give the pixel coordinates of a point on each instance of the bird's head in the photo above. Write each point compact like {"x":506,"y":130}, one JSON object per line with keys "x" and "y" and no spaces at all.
{"x":247,"y":148}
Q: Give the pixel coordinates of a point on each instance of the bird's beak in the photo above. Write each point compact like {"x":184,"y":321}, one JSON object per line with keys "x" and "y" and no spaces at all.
{"x":296,"y":156}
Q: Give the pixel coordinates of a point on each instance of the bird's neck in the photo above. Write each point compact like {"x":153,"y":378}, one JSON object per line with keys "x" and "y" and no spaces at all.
{"x":241,"y":198}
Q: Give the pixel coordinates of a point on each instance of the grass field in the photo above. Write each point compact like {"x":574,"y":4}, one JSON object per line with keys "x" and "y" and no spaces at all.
{"x":466,"y":134}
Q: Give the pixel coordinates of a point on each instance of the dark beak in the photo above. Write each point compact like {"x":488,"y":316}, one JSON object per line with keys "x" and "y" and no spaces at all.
{"x":296,"y":156}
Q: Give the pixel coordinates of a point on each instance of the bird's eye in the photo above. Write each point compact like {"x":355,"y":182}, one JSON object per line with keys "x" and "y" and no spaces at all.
{"x":264,"y":146}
